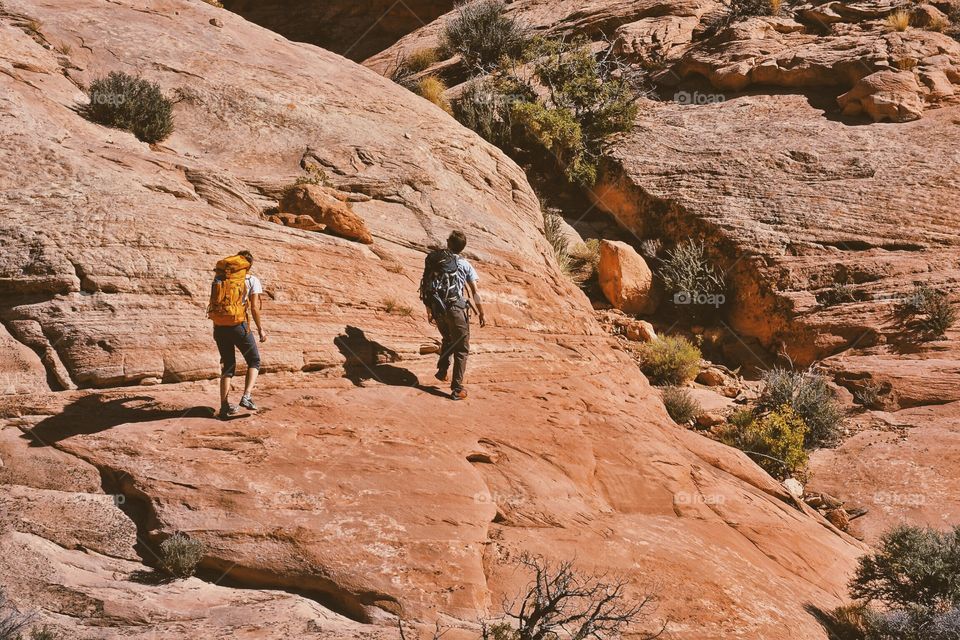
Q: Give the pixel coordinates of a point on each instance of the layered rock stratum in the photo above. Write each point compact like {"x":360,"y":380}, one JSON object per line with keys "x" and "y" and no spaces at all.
{"x":358,"y":494}
{"x":812,"y":150}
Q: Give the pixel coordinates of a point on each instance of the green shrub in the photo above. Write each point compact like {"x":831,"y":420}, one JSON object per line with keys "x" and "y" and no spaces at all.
{"x":485,"y":107}
{"x":685,"y":271}
{"x":670,"y":360}
{"x":932,"y":310}
{"x":912,"y":569}
{"x":482,"y":35}
{"x":590,"y":98}
{"x":681,"y":405}
{"x":809,"y":395}
{"x":180,"y":555}
{"x":133,"y":104}
{"x":774,"y":440}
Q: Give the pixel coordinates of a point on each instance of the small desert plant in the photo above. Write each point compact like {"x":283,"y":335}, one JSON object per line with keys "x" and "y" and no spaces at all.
{"x":12,"y":622}
{"x":421,"y":59}
{"x":809,"y":395}
{"x":898,"y":20}
{"x":397,"y":308}
{"x":590,"y":98}
{"x":839,"y":293}
{"x":868,"y":394}
{"x":650,"y":248}
{"x":670,"y":360}
{"x":931,"y":308}
{"x":938,"y":24}
{"x":134,"y":104}
{"x":44,"y":633}
{"x":315,"y":175}
{"x":214,"y":3}
{"x":681,"y":405}
{"x":561,"y":602}
{"x":687,"y":274}
{"x":774,"y":440}
{"x":742,"y":9}
{"x":482,"y":35}
{"x":553,"y":228}
{"x":432,"y":88}
{"x":584,"y":260}
{"x":847,"y":622}
{"x":912,"y":569}
{"x":485,"y":107}
{"x":180,"y":555}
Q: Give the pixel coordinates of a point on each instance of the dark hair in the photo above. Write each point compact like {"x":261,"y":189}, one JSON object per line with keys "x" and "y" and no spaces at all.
{"x":246,"y":254}
{"x":457,"y":241}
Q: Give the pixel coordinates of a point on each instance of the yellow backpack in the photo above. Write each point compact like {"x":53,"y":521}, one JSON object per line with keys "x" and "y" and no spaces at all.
{"x":228,"y":292}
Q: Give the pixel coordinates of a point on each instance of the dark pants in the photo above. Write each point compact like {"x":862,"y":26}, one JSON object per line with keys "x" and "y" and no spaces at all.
{"x":239,"y":337}
{"x":454,"y":325}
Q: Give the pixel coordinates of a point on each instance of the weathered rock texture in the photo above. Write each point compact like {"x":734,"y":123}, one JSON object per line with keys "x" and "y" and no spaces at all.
{"x":354,"y":487}
{"x":355,"y":30}
{"x":764,"y":149}
{"x":625,"y":278}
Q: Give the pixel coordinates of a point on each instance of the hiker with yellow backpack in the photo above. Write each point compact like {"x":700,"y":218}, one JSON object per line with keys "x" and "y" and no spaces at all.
{"x":234,"y":294}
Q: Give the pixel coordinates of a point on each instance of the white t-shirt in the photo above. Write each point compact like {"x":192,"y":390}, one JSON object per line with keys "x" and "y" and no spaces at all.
{"x":253,"y":286}
{"x":467,"y":272}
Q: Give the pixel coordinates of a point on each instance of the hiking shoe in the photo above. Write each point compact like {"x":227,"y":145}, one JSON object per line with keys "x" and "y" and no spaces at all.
{"x":228,"y":411}
{"x":247,"y":403}
{"x":458,"y":395}
{"x":441,"y":375}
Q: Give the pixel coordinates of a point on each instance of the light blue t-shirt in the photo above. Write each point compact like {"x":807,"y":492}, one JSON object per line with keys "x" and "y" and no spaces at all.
{"x":467,"y":272}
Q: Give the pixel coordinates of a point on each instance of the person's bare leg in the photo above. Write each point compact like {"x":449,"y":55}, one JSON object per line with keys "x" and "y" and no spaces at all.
{"x":250,"y":380}
{"x":224,"y":389}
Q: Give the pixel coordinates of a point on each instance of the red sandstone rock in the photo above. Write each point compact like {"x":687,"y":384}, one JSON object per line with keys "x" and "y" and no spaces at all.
{"x":319,"y":207}
{"x":625,"y":278}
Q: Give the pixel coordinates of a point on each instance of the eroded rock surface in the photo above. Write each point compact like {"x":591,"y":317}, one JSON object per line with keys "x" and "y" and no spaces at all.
{"x":355,"y":486}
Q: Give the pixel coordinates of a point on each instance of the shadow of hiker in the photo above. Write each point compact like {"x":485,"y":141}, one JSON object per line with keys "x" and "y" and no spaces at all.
{"x":369,"y":360}
{"x":94,"y":413}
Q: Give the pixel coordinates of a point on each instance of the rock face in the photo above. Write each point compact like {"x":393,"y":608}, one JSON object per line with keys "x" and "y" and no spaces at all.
{"x":625,"y":278}
{"x":356,"y":494}
{"x":354,"y":30}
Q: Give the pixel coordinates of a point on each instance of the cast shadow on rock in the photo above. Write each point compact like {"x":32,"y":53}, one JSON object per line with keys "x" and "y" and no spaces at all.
{"x":95,"y":413}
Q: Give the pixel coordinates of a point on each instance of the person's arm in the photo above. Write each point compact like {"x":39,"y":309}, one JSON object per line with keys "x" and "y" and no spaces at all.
{"x":255,"y":304}
{"x":475,"y":294}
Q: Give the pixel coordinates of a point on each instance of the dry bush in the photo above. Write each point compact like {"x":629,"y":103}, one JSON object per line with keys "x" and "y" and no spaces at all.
{"x":421,"y":59}
{"x":809,"y":395}
{"x":397,"y":308}
{"x":481,"y":34}
{"x":433,"y":88}
{"x":126,"y":102}
{"x":898,"y":20}
{"x":681,"y":405}
{"x":180,"y":555}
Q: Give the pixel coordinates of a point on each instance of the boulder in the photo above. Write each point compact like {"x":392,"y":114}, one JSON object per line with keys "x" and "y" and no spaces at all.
{"x":625,"y":278}
{"x":884,"y":95}
{"x":711,"y":377}
{"x":838,"y":518}
{"x":640,"y":331}
{"x":324,"y":208}
{"x":927,"y":15}
{"x":793,"y":487}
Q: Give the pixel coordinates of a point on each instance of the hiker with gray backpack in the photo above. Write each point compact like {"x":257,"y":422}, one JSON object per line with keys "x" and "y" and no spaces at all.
{"x":447,"y":277}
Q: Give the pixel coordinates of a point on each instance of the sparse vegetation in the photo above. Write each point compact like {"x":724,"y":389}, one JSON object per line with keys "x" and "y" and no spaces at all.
{"x":421,"y":59}
{"x":774,"y":440}
{"x":12,"y":622}
{"x":585,"y":260}
{"x":899,"y":20}
{"x":915,"y":574}
{"x":554,"y":232}
{"x":180,"y":555}
{"x":743,"y":9}
{"x":590,"y":98}
{"x":681,"y":405}
{"x":670,"y":360}
{"x":931,"y":310}
{"x":839,"y":293}
{"x":481,"y":34}
{"x":130,"y":103}
{"x":397,"y":308}
{"x":485,"y":107}
{"x":560,"y":602}
{"x":315,"y":175}
{"x":810,"y":397}
{"x":432,"y":88}
{"x":686,"y":271}
{"x":651,"y":248}
{"x":868,"y":394}
{"x":44,"y":633}
{"x":214,"y":3}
